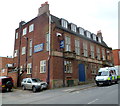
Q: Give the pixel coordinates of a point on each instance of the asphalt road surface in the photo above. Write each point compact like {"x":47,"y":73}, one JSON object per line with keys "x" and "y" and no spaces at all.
{"x":69,"y":95}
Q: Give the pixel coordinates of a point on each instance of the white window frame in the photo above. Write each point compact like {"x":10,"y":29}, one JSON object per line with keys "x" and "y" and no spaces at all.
{"x":30,"y":47}
{"x":31,"y":28}
{"x":103,"y":54}
{"x":16,"y":35}
{"x":21,"y":69}
{"x":85,"y":49}
{"x":94,"y":37}
{"x":29,"y":68}
{"x":94,"y":69}
{"x":23,"y":50}
{"x":15,"y":53}
{"x":92,"y":51}
{"x":24,"y":31}
{"x":88,"y":34}
{"x":3,"y":70}
{"x":67,"y":43}
{"x":77,"y":47}
{"x":43,"y":66}
{"x":73,"y":27}
{"x":47,"y":42}
{"x":98,"y":53}
{"x":108,"y":55}
{"x":64,"y":23}
{"x":68,"y":66}
{"x":81,"y":31}
{"x":99,"y":40}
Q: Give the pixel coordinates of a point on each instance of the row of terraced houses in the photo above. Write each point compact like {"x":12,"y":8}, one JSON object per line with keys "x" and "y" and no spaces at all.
{"x":59,"y":52}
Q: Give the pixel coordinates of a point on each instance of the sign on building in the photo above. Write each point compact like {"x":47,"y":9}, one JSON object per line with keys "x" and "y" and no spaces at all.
{"x":38,"y":48}
{"x":62,"y":44}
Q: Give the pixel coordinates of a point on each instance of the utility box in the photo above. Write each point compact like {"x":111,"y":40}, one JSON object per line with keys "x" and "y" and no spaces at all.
{"x":70,"y":82}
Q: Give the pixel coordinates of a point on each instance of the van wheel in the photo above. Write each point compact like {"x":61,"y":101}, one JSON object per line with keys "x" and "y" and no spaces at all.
{"x":97,"y":84}
{"x":8,"y":89}
{"x":34,"y":89}
{"x":109,"y":83}
{"x":116,"y":82}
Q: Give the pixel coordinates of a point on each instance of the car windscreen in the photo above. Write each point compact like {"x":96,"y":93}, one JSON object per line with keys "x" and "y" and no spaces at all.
{"x":103,"y":73}
{"x":36,"y":80}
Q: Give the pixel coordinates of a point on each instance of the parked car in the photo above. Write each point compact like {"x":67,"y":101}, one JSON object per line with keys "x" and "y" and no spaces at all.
{"x":34,"y":84}
{"x":6,"y":83}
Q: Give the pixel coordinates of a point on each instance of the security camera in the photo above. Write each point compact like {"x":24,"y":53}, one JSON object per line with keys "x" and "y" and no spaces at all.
{"x":58,"y":34}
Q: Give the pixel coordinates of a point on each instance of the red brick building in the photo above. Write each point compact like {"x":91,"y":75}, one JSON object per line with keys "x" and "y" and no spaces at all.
{"x":7,"y":68}
{"x":116,"y":55}
{"x":6,"y":64}
{"x":59,"y":52}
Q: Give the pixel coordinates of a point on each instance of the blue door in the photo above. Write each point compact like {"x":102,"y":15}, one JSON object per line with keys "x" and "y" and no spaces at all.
{"x":81,"y":72}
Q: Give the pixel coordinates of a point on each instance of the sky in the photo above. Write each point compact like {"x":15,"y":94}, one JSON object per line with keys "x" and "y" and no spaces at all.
{"x":92,"y":15}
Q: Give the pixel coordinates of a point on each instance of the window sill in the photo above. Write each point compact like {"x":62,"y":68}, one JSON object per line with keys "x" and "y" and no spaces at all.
{"x":42,"y":72}
{"x":93,"y":73}
{"x":29,"y":73}
{"x":68,"y":72}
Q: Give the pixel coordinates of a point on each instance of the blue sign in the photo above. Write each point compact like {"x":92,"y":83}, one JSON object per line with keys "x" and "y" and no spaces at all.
{"x":62,"y":44}
{"x":38,"y":48}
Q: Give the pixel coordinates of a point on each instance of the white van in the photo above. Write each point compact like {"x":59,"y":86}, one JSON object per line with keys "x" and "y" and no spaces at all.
{"x":118,"y":72}
{"x":106,"y":75}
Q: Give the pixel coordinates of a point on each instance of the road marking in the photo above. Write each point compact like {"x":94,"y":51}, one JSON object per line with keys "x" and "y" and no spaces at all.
{"x":75,"y":92}
{"x":67,"y":90}
{"x":93,"y":101}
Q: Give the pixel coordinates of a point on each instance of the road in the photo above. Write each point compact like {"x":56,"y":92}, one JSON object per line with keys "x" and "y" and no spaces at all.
{"x":70,"y":95}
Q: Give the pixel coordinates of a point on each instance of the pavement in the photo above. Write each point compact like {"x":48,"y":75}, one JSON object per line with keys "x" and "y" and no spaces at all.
{"x":67,"y":89}
{"x":70,"y":89}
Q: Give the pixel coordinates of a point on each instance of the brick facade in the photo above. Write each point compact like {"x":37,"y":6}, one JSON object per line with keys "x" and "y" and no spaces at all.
{"x":3,"y":65}
{"x":6,"y":70}
{"x":57,"y":57}
{"x":116,"y":55}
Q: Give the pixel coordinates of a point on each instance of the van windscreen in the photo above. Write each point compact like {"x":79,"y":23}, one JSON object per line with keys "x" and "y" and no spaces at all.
{"x":103,"y":73}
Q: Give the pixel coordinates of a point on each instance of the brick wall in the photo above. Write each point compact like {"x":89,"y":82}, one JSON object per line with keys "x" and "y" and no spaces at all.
{"x":116,"y":57}
{"x":3,"y":62}
{"x":14,"y":76}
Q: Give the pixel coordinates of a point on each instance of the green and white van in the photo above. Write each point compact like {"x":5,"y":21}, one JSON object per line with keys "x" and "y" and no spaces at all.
{"x":107,"y":75}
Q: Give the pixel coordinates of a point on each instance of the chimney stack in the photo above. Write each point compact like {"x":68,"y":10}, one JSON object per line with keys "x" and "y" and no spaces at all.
{"x":21,"y":23}
{"x":43,"y":9}
{"x":99,"y":34}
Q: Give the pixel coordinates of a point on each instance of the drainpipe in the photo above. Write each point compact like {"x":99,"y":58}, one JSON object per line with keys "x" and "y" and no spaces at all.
{"x":26,"y":53}
{"x":49,"y":32}
{"x":63,"y":69}
{"x":63,"y":62}
{"x":18,"y":79}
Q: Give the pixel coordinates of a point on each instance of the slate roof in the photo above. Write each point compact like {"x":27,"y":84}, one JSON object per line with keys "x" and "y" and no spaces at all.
{"x":57,"y":21}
